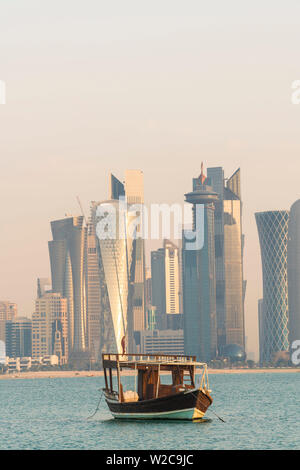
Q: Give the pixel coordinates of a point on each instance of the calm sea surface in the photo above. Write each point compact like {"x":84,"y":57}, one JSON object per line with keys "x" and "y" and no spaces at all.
{"x":262,"y":411}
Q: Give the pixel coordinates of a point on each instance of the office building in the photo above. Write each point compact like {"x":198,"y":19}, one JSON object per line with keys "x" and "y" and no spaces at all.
{"x":68,"y":259}
{"x":134,"y":193}
{"x":199,"y":278}
{"x":8,"y":311}
{"x":158,"y":286}
{"x":294,"y":273}
{"x":23,"y":364}
{"x":273,"y":236}
{"x":162,"y":342}
{"x":18,"y":337}
{"x":93,"y":290}
{"x":229,"y":241}
{"x":121,"y":259}
{"x":151,"y":318}
{"x":261,"y":329}
{"x":166,"y":283}
{"x":50,"y":327}
{"x":148,"y":288}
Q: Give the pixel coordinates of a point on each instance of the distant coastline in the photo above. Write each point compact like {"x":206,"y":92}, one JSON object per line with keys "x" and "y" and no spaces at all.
{"x":73,"y":374}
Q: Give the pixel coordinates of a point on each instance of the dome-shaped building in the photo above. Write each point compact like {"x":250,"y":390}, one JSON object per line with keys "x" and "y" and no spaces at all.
{"x":234,"y":353}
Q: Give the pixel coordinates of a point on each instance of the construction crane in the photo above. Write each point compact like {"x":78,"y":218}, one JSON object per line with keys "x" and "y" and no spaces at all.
{"x":82,"y":211}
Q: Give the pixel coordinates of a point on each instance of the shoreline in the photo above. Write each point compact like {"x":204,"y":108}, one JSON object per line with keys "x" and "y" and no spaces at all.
{"x":73,"y":374}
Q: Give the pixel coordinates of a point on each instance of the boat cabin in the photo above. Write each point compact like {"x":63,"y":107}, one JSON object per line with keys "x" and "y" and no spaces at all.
{"x":148,"y":372}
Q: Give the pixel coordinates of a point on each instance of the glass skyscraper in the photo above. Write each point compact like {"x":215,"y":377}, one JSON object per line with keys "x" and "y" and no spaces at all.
{"x":18,"y":337}
{"x":93,"y":289}
{"x":121,"y":267}
{"x":158,"y":281}
{"x":294,"y":273}
{"x":199,"y":281}
{"x":230,"y":284}
{"x":68,"y":259}
{"x":273,"y":236}
{"x":261,"y":329}
{"x":166,"y":285}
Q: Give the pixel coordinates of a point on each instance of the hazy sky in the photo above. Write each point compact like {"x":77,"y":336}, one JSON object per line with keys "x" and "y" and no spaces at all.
{"x":97,"y":86}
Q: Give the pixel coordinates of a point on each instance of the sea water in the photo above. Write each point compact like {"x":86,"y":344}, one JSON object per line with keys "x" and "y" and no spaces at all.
{"x":261,"y":411}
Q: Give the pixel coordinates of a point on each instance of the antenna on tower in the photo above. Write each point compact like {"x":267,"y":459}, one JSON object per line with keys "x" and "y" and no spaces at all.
{"x":202,"y":176}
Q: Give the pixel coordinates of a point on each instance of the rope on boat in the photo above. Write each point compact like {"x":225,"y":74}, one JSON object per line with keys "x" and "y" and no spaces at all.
{"x":89,"y":417}
{"x":212,"y":411}
{"x":221,"y":419}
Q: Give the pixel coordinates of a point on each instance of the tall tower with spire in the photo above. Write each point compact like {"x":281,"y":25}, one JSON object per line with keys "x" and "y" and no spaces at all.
{"x":199,"y":280}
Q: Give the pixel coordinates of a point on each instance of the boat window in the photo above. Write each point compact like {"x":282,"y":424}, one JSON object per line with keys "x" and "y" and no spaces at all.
{"x":129,"y":382}
{"x":166,"y":378}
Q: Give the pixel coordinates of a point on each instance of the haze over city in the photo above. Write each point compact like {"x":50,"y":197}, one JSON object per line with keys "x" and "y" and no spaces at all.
{"x":94,"y":88}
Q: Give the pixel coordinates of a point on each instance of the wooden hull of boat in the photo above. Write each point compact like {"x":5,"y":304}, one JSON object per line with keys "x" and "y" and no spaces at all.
{"x":188,"y":405}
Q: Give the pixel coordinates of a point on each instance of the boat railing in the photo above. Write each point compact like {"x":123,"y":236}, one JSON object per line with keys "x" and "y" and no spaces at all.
{"x":127,"y":360}
{"x":157,"y":358}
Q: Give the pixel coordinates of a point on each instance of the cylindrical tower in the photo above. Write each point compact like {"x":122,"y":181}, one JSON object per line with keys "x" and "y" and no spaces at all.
{"x":294,"y":272}
{"x":273,"y":236}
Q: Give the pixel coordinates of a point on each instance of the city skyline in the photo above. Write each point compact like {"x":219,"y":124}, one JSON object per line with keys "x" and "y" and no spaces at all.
{"x":69,"y":260}
{"x":157,"y":88}
{"x":158,"y":243}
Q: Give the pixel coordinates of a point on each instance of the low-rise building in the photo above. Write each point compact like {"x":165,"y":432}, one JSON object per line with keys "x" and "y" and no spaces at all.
{"x":162,"y":341}
{"x":21,"y":364}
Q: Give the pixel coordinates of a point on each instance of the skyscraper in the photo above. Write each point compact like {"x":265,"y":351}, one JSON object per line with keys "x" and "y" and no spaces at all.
{"x":199,"y":281}
{"x":19,"y":337}
{"x":273,"y":236}
{"x":50,"y":327}
{"x":230,"y":285}
{"x":148,"y":287}
{"x":134,"y":192}
{"x":122,"y":264}
{"x":166,"y":283}
{"x":294,"y":273}
{"x":261,"y":329}
{"x":158,"y":282}
{"x":8,"y":311}
{"x":93,"y":289}
{"x":68,"y":258}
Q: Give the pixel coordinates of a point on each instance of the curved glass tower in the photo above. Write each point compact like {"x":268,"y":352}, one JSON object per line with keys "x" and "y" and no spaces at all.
{"x":116,"y":255}
{"x":273,"y":236}
{"x":294,"y":272}
{"x":121,"y":263}
{"x":68,"y":258}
